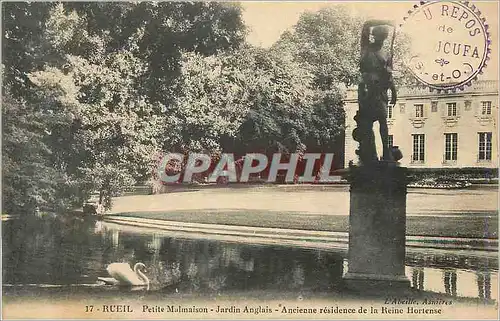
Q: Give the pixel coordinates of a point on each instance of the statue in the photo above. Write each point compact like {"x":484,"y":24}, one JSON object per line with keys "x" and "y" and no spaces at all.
{"x":377,"y":213}
{"x":376,"y":80}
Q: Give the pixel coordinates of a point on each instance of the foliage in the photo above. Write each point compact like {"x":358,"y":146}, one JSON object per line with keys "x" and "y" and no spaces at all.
{"x":29,"y":179}
{"x":22,"y":45}
{"x":285,"y":105}
{"x":113,"y":128}
{"x":210,"y":102}
{"x":105,"y":70}
{"x":250,"y":100}
{"x":327,"y":43}
{"x":162,"y":31}
{"x":93,"y":91}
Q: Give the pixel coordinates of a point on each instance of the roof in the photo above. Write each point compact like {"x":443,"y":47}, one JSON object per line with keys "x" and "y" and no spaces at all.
{"x":481,"y":87}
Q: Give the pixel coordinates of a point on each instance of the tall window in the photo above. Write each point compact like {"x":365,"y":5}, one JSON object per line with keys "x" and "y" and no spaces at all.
{"x":486,"y":107}
{"x":418,"y":147}
{"x":390,"y":140}
{"x":450,"y":146}
{"x":390,"y":110}
{"x":419,"y":110}
{"x":452,"y":109}
{"x":485,"y":146}
{"x":434,"y":106}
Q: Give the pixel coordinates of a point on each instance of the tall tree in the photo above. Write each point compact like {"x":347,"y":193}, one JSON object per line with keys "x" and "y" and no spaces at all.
{"x":106,"y":70}
{"x":23,"y":26}
{"x":113,"y":129}
{"x":327,"y":42}
{"x":29,"y":179}
{"x":250,"y":100}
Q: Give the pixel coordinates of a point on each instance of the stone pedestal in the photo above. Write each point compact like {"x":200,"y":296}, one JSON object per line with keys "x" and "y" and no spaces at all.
{"x":377,"y":227}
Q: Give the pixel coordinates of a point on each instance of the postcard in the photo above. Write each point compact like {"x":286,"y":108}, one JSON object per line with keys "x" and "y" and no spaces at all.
{"x":250,"y":160}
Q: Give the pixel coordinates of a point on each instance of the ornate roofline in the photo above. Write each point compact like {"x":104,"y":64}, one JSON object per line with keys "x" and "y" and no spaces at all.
{"x":482,"y":87}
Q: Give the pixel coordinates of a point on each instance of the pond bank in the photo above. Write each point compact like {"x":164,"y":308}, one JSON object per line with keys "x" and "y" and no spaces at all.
{"x":325,"y":240}
{"x":470,"y":213}
{"x":479,"y":225}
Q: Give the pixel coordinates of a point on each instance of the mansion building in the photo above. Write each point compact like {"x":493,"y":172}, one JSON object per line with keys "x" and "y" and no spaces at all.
{"x":437,"y":130}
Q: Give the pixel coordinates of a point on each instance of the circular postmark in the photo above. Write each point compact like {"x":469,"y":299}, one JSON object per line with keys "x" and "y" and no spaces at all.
{"x":449,"y":43}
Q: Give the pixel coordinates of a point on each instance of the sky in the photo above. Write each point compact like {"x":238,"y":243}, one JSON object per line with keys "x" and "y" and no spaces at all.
{"x":268,"y":20}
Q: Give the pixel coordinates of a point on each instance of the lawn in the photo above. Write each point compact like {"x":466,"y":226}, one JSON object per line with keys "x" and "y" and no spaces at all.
{"x":475,"y":226}
{"x":471,"y":212}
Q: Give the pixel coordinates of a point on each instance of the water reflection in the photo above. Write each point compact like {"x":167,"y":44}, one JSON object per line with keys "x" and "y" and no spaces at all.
{"x":187,"y":265}
{"x":77,"y":252}
{"x":455,"y":282}
{"x":455,"y":275}
{"x":418,"y":278}
{"x":484,"y":284}
{"x":450,"y":282}
{"x":52,"y":254}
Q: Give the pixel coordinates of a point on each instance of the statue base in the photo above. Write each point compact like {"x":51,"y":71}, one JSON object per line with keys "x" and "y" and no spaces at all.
{"x":377,"y":227}
{"x":375,"y":283}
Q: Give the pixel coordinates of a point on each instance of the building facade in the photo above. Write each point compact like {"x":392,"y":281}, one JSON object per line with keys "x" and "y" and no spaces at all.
{"x":437,"y":130}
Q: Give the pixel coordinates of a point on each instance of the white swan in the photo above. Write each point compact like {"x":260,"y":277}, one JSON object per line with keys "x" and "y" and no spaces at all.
{"x":122,"y":274}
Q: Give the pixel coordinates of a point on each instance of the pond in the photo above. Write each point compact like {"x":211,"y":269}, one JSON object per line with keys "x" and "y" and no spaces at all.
{"x":53,"y":252}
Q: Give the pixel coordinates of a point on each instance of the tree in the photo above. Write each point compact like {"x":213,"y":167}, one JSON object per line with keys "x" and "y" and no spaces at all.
{"x":327,"y":43}
{"x":22,"y":43}
{"x":112,"y":134}
{"x":250,"y":100}
{"x":29,"y":179}
{"x":164,"y":30}
{"x":281,"y":104}
{"x":106,"y":70}
{"x":211,"y":101}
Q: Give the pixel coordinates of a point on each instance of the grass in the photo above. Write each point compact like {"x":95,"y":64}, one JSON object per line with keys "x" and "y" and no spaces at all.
{"x":467,"y":226}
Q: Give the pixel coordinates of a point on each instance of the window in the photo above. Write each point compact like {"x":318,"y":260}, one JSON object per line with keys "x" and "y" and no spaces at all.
{"x":418,"y":147}
{"x":486,"y":107}
{"x":390,"y":140}
{"x":451,"y":146}
{"x":434,"y":106}
{"x":390,"y":110}
{"x":468,"y":105}
{"x":452,"y":109}
{"x":419,"y":110}
{"x":485,"y":146}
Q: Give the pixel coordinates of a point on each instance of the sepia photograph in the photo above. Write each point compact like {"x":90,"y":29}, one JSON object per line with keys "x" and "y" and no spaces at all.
{"x":250,"y":160}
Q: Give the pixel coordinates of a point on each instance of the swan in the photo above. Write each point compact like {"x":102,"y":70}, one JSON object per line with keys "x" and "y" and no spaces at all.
{"x":122,"y":274}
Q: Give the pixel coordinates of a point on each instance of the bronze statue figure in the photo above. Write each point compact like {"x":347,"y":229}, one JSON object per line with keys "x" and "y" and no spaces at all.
{"x":376,"y":80}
